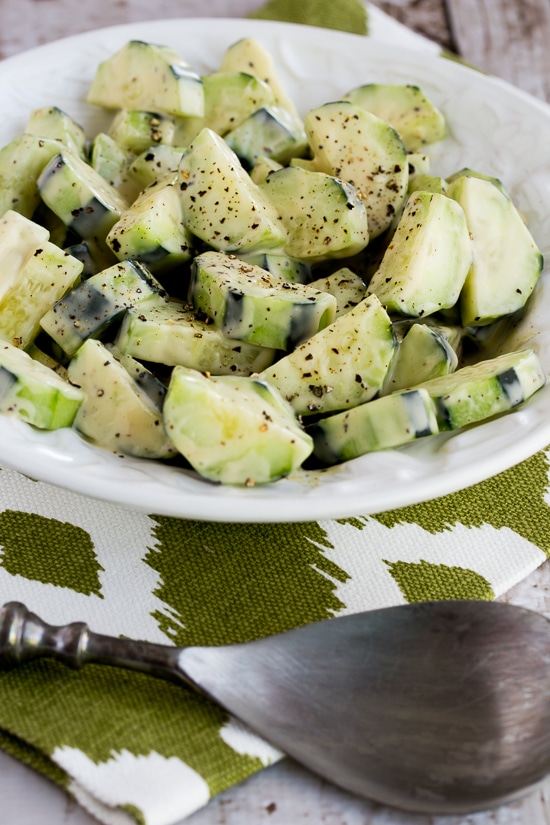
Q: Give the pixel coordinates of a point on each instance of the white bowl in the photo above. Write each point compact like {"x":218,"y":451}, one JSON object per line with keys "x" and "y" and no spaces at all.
{"x":493,"y":127}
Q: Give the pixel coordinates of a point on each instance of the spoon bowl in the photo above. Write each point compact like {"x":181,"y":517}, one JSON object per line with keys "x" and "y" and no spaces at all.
{"x":436,"y":707}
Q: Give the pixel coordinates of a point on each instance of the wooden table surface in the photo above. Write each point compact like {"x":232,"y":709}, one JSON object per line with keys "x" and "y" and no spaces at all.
{"x":509,"y":38}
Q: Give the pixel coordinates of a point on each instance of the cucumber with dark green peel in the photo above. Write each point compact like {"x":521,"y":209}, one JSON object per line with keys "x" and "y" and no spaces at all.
{"x":173,"y":333}
{"x":117,"y":413}
{"x":262,"y":167}
{"x":427,"y":183}
{"x":34,"y":393}
{"x":247,"y":303}
{"x":79,"y":196}
{"x":52,"y":122}
{"x":221,"y":204}
{"x":488,"y":388}
{"x":281,"y":267}
{"x":424,"y":267}
{"x":423,"y":354}
{"x":347,"y":287}
{"x":135,"y":130}
{"x":233,"y":430}
{"x":151,"y":230}
{"x":21,"y":163}
{"x":324,"y":216}
{"x":507,"y":262}
{"x":113,"y":164}
{"x":382,"y":424}
{"x":271,"y":132}
{"x":148,"y":76}
{"x":89,"y":309}
{"x":466,"y":171}
{"x":229,"y":98}
{"x":405,"y":107}
{"x":341,"y":366}
{"x":356,"y":146}
{"x":155,"y":163}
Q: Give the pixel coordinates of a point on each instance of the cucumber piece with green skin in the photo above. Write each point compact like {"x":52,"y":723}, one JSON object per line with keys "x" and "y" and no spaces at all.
{"x":341,"y":366}
{"x":93,"y":257}
{"x":89,"y":309}
{"x":52,"y":122}
{"x":229,"y":98}
{"x":248,"y":55}
{"x":148,"y":76}
{"x":155,"y":163}
{"x":507,"y":262}
{"x":270,"y":132}
{"x":134,"y":130}
{"x":426,"y":263}
{"x":488,"y":388}
{"x":466,"y":171}
{"x":221,"y":204}
{"x":79,"y":196}
{"x":262,"y":167}
{"x":382,"y":424}
{"x":116,"y":412}
{"x":232,"y":429}
{"x":21,"y":163}
{"x":172,"y":334}
{"x":151,"y":230}
{"x":347,"y":287}
{"x":323,"y":216}
{"x":34,"y":393}
{"x":423,"y":354}
{"x":405,"y":107}
{"x":281,"y":267}
{"x":34,"y":275}
{"x":352,"y":144}
{"x":427,"y":183}
{"x":247,"y":303}
{"x":113,"y":164}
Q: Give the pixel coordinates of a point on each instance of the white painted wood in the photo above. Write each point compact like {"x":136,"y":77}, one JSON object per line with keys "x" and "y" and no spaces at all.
{"x":508,"y":38}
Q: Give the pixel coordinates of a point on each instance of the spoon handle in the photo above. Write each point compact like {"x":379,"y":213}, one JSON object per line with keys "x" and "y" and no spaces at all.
{"x":24,"y":636}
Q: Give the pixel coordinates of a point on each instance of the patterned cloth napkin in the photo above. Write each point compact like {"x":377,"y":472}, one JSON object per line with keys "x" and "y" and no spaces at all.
{"x":133,"y":748}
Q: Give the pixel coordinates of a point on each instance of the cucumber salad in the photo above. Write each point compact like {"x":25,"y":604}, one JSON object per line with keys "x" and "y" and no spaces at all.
{"x":224,"y":283}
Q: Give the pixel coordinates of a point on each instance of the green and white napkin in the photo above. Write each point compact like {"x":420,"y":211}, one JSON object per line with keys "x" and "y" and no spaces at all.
{"x":131,"y":748}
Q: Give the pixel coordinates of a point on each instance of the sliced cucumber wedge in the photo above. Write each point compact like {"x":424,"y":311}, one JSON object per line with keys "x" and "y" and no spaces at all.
{"x":249,"y":304}
{"x":475,"y":393}
{"x":21,"y":163}
{"x":424,"y":267}
{"x":341,"y":366}
{"x":34,"y":393}
{"x":148,"y":76}
{"x":382,"y":424}
{"x":423,"y":354}
{"x":117,"y":413}
{"x":172,"y":333}
{"x":233,"y":430}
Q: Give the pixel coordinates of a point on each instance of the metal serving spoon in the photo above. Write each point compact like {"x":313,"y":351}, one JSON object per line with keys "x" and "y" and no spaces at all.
{"x":438,"y":707}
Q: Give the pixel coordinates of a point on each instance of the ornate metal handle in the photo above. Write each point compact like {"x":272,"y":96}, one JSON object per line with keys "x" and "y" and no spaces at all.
{"x":24,"y":636}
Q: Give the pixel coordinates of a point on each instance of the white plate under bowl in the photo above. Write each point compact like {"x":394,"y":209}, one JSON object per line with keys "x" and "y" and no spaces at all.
{"x":492,"y":127}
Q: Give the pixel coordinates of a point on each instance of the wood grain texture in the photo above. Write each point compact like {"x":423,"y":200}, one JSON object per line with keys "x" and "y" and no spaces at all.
{"x":508,"y":38}
{"x":427,"y":17}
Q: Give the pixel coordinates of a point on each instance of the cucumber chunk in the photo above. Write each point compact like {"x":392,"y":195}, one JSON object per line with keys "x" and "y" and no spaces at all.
{"x":117,"y":413}
{"x":229,"y":98}
{"x":249,"y":304}
{"x":507,"y":262}
{"x":155,"y":163}
{"x":271,"y":132}
{"x":52,"y":122}
{"x":134,"y":130}
{"x":34,"y":393}
{"x":323,"y":216}
{"x":172,"y":333}
{"x":221,"y":204}
{"x":148,"y":76}
{"x":485,"y":389}
{"x":424,"y":268}
{"x":79,"y":196}
{"x":151,"y":230}
{"x":98,"y":302}
{"x":21,"y":163}
{"x":113,"y":164}
{"x":347,"y":287}
{"x":341,"y":366}
{"x":381,"y":424}
{"x":423,"y":354}
{"x":351,"y":143}
{"x":406,"y":107}
{"x":233,"y":430}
